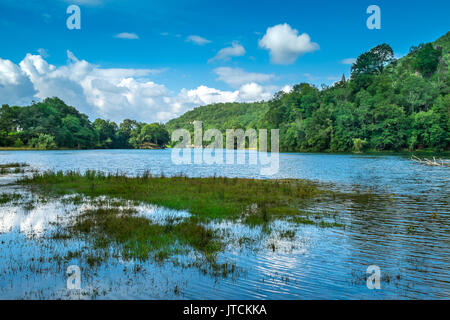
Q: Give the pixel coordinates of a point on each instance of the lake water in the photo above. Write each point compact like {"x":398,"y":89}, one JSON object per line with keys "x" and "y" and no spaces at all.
{"x":406,"y":232}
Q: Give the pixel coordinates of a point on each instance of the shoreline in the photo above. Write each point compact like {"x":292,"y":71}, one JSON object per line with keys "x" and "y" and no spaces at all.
{"x":366,"y":153}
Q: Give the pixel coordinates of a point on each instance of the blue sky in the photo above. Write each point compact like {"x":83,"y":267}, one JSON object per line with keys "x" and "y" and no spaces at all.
{"x":153,"y":60}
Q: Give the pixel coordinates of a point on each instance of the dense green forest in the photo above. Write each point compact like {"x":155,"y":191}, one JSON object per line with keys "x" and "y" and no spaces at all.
{"x":52,"y":124}
{"x":387,"y":104}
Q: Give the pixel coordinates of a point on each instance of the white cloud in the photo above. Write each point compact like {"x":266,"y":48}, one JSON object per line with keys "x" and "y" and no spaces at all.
{"x":285,"y":45}
{"x":168,"y":34}
{"x":42,"y":52}
{"x":205,"y":95}
{"x":348,"y":61}
{"x":236,"y":50}
{"x":235,"y":77}
{"x":197,"y":40}
{"x":118,"y":93}
{"x":287,"y":88}
{"x":110,"y":93}
{"x":254,"y":92}
{"x":15,"y":86}
{"x":127,"y":35}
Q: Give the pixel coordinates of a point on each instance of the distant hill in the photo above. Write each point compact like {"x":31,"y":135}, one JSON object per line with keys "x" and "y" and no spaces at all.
{"x":222,"y":116}
{"x":387,"y":104}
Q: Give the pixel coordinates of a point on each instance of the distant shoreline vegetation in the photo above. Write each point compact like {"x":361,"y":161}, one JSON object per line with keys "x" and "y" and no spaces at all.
{"x":52,"y":125}
{"x":387,"y":105}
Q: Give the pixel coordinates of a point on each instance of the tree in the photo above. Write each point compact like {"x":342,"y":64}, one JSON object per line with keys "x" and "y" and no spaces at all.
{"x":389,"y":128}
{"x":154,"y":133}
{"x":127,"y":129}
{"x":107,"y":131}
{"x":426,"y":58}
{"x":371,"y":63}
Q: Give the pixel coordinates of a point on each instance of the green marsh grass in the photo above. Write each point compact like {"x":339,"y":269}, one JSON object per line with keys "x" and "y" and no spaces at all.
{"x":206,"y":198}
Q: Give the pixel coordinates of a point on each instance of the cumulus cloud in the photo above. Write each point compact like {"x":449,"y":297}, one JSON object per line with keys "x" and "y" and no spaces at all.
{"x":110,"y":93}
{"x":254,"y":92}
{"x":127,"y":35}
{"x":236,"y":50}
{"x":15,"y":86}
{"x":116,"y":93}
{"x":285,"y":45}
{"x":235,"y":77}
{"x":197,"y":40}
{"x":348,"y":61}
{"x":204,"y":95}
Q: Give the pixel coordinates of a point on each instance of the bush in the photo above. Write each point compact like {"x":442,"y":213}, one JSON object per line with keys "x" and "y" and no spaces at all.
{"x":359,"y":144}
{"x":18,"y":143}
{"x":43,"y":141}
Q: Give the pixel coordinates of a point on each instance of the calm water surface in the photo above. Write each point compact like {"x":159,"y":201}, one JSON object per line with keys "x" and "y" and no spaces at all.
{"x":406,"y":232}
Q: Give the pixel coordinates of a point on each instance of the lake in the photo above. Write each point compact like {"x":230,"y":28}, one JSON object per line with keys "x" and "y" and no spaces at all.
{"x":406,"y":232}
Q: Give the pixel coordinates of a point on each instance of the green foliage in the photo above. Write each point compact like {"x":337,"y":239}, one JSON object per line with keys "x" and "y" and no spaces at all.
{"x":371,"y":63}
{"x":43,"y":141}
{"x":222,"y":116}
{"x":52,"y":124}
{"x":359,"y":144}
{"x":68,"y":127}
{"x":154,"y":133}
{"x":426,"y":58}
{"x":107,"y":133}
{"x":18,"y":143}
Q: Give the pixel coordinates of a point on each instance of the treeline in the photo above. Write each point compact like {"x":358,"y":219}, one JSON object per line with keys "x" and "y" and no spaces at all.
{"x":387,"y":104}
{"x":52,"y":124}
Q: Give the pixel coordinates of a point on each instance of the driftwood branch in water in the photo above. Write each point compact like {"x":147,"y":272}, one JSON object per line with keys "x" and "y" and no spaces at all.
{"x":434,"y":162}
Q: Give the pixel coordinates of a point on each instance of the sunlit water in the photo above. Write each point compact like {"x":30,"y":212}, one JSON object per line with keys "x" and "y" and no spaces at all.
{"x":406,"y":232}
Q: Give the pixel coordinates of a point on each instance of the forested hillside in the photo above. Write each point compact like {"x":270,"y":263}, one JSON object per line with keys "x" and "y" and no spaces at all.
{"x":222,"y":116}
{"x":387,"y":104}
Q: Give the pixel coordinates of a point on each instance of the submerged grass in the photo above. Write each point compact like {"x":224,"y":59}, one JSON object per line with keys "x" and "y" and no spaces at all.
{"x":14,"y":167}
{"x":140,"y":238}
